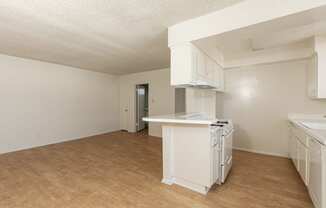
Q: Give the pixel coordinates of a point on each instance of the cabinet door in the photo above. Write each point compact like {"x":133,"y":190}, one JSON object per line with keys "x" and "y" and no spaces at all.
{"x":315,"y":172}
{"x":303,"y":162}
{"x":218,"y":76}
{"x":181,"y":65}
{"x":312,"y":76}
{"x":200,"y":65}
{"x":215,"y":164}
{"x":293,"y":150}
{"x":214,"y":74}
{"x":210,"y":70}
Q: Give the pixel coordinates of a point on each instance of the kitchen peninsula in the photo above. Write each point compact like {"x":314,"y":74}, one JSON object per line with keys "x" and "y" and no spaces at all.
{"x":197,"y":150}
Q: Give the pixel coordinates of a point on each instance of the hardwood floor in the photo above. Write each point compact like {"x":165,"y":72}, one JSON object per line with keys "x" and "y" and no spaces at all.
{"x":124,"y":170}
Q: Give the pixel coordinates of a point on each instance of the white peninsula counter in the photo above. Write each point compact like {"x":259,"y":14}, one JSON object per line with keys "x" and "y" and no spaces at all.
{"x":192,"y":155}
{"x":183,"y":118}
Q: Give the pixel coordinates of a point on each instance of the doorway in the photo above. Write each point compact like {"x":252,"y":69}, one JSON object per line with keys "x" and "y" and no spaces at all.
{"x":141,"y":107}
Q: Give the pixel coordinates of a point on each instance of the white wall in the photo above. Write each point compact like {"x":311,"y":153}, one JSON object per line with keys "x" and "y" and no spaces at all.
{"x":43,"y":103}
{"x":161,"y":98}
{"x":259,"y":98}
{"x":201,"y":100}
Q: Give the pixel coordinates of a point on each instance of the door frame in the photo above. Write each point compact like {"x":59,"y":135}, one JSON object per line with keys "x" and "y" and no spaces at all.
{"x":135,"y":102}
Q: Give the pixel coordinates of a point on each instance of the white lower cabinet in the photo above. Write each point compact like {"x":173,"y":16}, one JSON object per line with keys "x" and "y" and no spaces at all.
{"x":293,"y":149}
{"x":308,"y":157}
{"x":316,"y":179}
{"x":303,"y":161}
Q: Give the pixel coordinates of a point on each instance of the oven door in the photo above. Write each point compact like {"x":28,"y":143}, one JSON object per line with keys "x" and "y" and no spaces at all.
{"x":216,"y":135}
{"x":227,"y":145}
{"x":226,"y":155}
{"x":226,"y":169}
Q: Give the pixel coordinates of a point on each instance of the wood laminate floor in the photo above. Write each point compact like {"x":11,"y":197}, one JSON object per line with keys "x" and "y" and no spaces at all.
{"x":124,"y":170}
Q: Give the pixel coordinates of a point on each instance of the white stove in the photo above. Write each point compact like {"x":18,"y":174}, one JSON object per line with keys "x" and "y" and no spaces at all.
{"x":225,"y":125}
{"x":222,"y":142}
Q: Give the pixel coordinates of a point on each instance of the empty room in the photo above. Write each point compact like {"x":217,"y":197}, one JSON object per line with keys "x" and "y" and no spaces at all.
{"x":163,"y":103}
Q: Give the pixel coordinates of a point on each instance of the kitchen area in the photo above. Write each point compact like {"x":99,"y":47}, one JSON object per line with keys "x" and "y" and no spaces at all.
{"x":198,"y":142}
{"x":197,"y":150}
{"x":307,"y":140}
{"x":207,"y":158}
{"x":163,"y":104}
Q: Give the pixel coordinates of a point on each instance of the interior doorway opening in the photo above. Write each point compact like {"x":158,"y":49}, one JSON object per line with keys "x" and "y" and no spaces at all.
{"x":142,"y":107}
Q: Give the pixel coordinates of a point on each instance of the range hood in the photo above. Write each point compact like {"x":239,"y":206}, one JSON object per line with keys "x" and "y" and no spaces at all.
{"x":197,"y":84}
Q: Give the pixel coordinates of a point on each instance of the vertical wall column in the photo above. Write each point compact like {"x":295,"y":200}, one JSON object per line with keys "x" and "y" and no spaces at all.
{"x":200,"y":100}
{"x":167,"y":150}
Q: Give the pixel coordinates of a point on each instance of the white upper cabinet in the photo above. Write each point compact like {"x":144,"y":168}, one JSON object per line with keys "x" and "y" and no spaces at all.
{"x":190,"y":67}
{"x":200,"y":63}
{"x":317,"y":69}
{"x":312,"y":76}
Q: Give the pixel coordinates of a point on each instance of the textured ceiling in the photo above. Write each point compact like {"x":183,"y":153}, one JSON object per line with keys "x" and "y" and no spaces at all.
{"x":112,"y":36}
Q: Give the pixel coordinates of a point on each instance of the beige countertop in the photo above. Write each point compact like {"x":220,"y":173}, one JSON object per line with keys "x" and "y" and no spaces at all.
{"x":318,"y":134}
{"x":184,"y":118}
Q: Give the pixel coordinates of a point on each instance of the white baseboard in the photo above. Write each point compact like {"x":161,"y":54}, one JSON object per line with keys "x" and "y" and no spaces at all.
{"x":187,"y":184}
{"x":261,"y":152}
{"x":31,"y":146}
{"x":192,"y":186}
{"x":168,"y":181}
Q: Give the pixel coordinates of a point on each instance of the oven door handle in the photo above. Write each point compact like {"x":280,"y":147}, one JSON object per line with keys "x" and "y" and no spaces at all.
{"x":231,"y":132}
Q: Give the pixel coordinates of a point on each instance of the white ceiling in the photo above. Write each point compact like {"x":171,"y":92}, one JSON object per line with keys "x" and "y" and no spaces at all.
{"x":112,"y":36}
{"x":289,"y":32}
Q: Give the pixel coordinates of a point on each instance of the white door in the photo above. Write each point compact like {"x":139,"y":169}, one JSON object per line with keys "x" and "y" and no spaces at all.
{"x":125,"y":116}
{"x":140,"y":107}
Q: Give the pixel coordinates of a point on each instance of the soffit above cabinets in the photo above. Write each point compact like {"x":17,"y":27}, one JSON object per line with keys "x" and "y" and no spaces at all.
{"x":116,"y":37}
{"x":258,"y":32}
{"x":285,"y":38}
